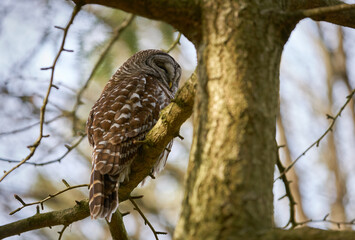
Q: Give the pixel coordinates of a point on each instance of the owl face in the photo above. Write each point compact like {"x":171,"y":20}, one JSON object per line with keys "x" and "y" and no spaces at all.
{"x":156,"y":63}
{"x":168,"y":69}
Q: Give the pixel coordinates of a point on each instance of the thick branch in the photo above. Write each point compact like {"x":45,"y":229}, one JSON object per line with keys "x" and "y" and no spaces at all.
{"x":63,"y":217}
{"x":117,"y":227}
{"x":168,"y":126}
{"x":325,"y":10}
{"x":183,"y":15}
{"x":172,"y":117}
{"x":309,"y":234}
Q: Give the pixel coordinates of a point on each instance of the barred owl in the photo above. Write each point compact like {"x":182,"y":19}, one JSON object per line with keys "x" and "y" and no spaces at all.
{"x":127,"y":109}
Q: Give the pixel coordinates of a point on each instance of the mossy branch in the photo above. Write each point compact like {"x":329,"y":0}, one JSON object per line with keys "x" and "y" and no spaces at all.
{"x":117,"y":227}
{"x":63,"y":217}
{"x":167,"y":128}
{"x":333,"y":11}
{"x":162,"y":133}
{"x":308,"y":233}
{"x":185,"y":16}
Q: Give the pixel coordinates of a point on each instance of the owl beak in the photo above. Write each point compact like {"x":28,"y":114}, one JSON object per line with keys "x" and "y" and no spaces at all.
{"x":170,"y":84}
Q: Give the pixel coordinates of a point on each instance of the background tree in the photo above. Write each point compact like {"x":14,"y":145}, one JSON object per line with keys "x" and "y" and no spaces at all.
{"x":230,"y":178}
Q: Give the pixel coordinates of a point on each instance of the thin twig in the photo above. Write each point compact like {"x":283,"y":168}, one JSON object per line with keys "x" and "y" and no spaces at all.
{"x":49,"y":219}
{"x":69,"y":149}
{"x":113,"y":39}
{"x":174,"y":44}
{"x":145,"y":219}
{"x":317,"y":142}
{"x":288,"y":194}
{"x":35,"y":145}
{"x":50,"y":196}
{"x":313,"y":12}
{"x":142,"y":167}
{"x":325,"y":220}
{"x":62,"y":231}
{"x":29,"y":126}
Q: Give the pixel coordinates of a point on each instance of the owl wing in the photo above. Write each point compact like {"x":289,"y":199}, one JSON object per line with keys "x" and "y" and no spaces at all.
{"x":121,"y":119}
{"x":122,"y":116}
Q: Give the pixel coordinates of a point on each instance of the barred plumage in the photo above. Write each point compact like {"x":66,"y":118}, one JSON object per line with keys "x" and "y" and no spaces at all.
{"x":127,"y":109}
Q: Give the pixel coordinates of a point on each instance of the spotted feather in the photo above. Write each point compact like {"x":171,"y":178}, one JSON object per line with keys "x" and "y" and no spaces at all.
{"x":127,"y":109}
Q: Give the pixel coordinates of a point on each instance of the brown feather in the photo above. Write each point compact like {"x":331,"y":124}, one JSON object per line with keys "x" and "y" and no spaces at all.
{"x":127,"y":109}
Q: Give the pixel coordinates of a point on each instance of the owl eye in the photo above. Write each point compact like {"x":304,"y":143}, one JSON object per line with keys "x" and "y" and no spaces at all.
{"x":162,"y":66}
{"x":167,"y":68}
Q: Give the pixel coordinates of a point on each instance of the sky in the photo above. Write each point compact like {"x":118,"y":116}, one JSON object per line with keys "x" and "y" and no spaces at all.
{"x":28,"y":42}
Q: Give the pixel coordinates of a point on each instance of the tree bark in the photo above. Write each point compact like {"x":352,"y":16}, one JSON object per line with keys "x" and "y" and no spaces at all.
{"x":162,"y":133}
{"x":343,"y":18}
{"x":230,"y":174}
{"x":183,"y":15}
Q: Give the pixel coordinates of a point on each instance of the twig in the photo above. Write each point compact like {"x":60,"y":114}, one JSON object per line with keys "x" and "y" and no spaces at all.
{"x":69,"y":149}
{"x":324,"y":10}
{"x":35,"y":145}
{"x":113,"y":39}
{"x":142,"y":166}
{"x":54,"y":218}
{"x":50,"y":196}
{"x":29,"y":126}
{"x":288,"y":194}
{"x":62,"y":231}
{"x":325,"y":220}
{"x":181,"y":137}
{"x":317,"y":142}
{"x":145,"y":219}
{"x":173,"y":45}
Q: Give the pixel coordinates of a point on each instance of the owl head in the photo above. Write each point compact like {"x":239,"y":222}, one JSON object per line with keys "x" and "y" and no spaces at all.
{"x":155,"y":63}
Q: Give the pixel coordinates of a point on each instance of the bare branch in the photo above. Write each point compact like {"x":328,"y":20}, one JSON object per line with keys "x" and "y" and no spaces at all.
{"x":167,"y":127}
{"x":291,"y":175}
{"x":64,"y":217}
{"x":317,"y":142}
{"x":62,"y":231}
{"x":325,"y":220}
{"x":333,"y":11}
{"x":69,"y":149}
{"x":324,"y":11}
{"x":308,"y":233}
{"x":146,"y":221}
{"x":34,"y":146}
{"x":289,"y":195}
{"x":50,"y":196}
{"x":172,"y":117}
{"x":117,"y":228}
{"x":113,"y":39}
{"x":174,"y":44}
{"x":183,"y":15}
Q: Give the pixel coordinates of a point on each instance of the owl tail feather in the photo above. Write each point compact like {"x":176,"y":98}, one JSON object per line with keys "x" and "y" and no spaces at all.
{"x":103,"y":195}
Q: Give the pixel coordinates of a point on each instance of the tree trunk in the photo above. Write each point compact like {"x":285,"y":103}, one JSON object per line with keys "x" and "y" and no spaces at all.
{"x":230,"y":174}
{"x":228,"y":193}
